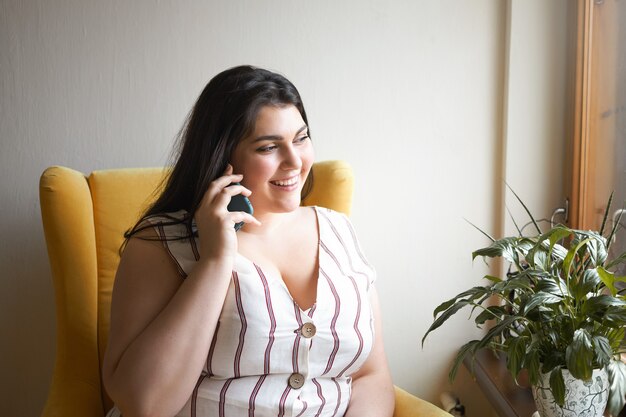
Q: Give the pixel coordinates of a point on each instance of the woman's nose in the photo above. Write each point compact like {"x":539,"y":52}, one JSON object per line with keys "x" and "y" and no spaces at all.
{"x":291,"y":158}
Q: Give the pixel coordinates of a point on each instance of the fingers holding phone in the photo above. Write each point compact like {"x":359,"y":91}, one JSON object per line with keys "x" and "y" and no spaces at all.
{"x":224,"y":208}
{"x":240,"y":203}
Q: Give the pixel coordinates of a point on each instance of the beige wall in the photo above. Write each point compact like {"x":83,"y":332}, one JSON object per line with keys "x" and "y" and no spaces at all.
{"x":416,"y":95}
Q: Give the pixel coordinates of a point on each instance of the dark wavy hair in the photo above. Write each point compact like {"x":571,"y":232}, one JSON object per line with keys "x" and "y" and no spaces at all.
{"x":225,"y":112}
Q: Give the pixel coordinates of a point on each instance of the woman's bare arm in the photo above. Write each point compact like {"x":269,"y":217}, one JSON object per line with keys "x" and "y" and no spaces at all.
{"x":161,"y":328}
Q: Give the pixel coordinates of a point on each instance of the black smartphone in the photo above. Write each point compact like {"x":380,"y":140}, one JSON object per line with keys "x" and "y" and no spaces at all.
{"x":240,"y":203}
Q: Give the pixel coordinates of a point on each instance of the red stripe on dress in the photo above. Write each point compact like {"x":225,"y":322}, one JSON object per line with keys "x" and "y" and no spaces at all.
{"x":296,"y":310}
{"x":244,"y":326}
{"x":270,"y":311}
{"x":345,"y":248}
{"x":255,"y":391}
{"x":209,"y":358}
{"x":310,"y":314}
{"x":223,"y":396}
{"x":356,"y":243}
{"x":338,"y":397}
{"x":194,"y":395}
{"x":167,"y":248}
{"x":357,"y":247}
{"x":303,"y":409}
{"x":356,"y":327}
{"x":333,"y":257}
{"x":283,"y":399}
{"x":321,"y":397}
{"x":296,"y":341}
{"x":333,"y":323}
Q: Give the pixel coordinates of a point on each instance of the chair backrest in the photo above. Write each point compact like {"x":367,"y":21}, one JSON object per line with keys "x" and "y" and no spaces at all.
{"x":84,"y":219}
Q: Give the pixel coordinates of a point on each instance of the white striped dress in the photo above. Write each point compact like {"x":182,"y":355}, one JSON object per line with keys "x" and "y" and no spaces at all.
{"x":262,"y":362}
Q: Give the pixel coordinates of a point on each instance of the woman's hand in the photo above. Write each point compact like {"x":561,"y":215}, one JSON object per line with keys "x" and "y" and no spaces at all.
{"x":216,"y":225}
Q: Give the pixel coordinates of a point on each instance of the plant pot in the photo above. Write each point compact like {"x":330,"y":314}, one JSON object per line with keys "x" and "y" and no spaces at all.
{"x":582,"y":398}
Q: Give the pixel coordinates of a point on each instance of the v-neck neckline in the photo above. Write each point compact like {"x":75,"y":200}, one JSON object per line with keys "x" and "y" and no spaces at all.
{"x":273,"y":277}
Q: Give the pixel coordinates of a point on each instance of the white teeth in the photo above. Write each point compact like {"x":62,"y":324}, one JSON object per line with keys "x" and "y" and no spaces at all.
{"x":286,"y":183}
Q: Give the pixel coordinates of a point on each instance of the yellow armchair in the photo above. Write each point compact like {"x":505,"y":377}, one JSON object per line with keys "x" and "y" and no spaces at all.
{"x":84,"y":219}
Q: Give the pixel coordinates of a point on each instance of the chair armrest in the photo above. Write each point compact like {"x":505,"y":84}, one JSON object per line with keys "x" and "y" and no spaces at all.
{"x":408,"y":405}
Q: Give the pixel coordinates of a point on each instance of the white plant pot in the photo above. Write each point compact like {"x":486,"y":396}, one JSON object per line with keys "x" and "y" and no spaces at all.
{"x":582,"y":398}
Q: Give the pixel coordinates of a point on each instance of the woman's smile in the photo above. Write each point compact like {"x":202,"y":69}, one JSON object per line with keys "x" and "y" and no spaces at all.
{"x":289,"y":183}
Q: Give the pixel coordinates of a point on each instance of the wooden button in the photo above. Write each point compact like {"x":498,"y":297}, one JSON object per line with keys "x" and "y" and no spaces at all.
{"x":296,"y":380}
{"x":308,"y":330}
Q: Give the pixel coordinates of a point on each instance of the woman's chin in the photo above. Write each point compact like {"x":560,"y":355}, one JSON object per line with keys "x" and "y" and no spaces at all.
{"x":278,"y":207}
{"x":287,"y":206}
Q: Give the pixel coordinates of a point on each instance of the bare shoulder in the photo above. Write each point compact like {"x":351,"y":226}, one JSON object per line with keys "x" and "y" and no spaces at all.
{"x":145,"y":252}
{"x":308,"y":213}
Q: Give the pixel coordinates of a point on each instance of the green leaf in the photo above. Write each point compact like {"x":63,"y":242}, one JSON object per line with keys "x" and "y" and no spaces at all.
{"x":586,"y":284}
{"x":614,"y":316}
{"x":600,"y":250}
{"x":606,"y":213}
{"x":614,"y":230}
{"x":597,"y":306}
{"x":520,"y":282}
{"x":539,"y":299}
{"x":468,"y":348}
{"x":579,"y":355}
{"x":490,"y":313}
{"x":567,"y":263}
{"x":603,"y":350}
{"x":472,"y":294}
{"x":616,"y":336}
{"x":500,"y":248}
{"x":445,"y":316}
{"x":496,"y":330}
{"x":525,"y":208}
{"x":481,"y":231}
{"x":557,"y":233}
{"x":533,"y":365}
{"x":492,"y":278}
{"x":557,"y":385}
{"x":559,"y":252}
{"x":552,"y":285}
{"x":539,"y":259}
{"x":519,"y":231}
{"x":617,"y":388}
{"x":608,"y":279}
{"x":515,"y":355}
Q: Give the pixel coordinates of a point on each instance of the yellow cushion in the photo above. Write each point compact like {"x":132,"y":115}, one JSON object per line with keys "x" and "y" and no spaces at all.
{"x":332,"y":186}
{"x":408,"y":405}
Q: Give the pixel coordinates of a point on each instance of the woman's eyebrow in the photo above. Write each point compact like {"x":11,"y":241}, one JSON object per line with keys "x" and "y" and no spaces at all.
{"x":278,"y":137}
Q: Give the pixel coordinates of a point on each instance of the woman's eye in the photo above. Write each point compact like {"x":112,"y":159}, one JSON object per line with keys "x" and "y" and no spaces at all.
{"x":267,"y":148}
{"x":302,"y":138}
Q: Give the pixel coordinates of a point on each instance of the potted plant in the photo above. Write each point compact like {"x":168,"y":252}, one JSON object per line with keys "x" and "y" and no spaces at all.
{"x":558,"y":313}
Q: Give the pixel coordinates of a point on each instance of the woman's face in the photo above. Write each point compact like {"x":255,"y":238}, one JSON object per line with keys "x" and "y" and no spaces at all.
{"x":275,"y":159}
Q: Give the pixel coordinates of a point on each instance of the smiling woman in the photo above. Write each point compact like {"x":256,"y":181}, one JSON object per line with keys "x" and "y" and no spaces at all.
{"x":279,"y":318}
